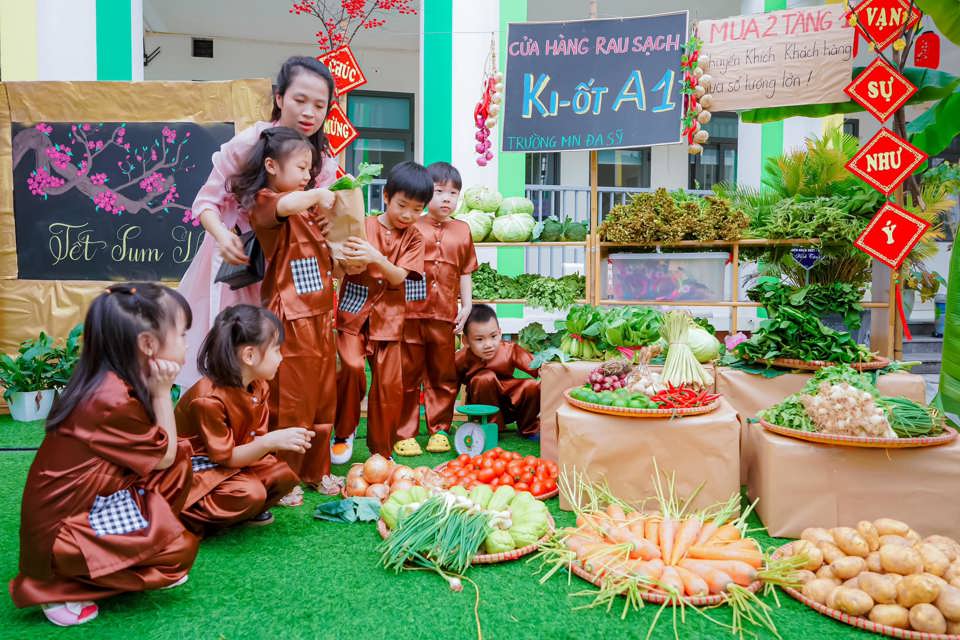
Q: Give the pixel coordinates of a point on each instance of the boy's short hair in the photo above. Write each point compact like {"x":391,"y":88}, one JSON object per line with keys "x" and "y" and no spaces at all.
{"x":444,"y":172}
{"x":478,"y":314}
{"x":412,"y":180}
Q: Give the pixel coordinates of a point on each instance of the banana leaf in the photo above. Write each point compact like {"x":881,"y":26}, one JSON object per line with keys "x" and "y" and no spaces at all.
{"x":950,"y":369}
{"x":945,"y":14}
{"x":930,"y":83}
{"x":935,"y":128}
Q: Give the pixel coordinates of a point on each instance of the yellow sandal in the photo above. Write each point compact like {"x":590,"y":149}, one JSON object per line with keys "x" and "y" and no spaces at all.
{"x":438,"y":443}
{"x":408,"y":448}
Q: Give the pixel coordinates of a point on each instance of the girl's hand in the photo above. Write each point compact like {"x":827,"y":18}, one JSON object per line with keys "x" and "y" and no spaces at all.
{"x":325,"y":198}
{"x":295,"y":439}
{"x":161,"y":375}
{"x":231,"y":248}
{"x":360,"y":251}
{"x":323,"y":224}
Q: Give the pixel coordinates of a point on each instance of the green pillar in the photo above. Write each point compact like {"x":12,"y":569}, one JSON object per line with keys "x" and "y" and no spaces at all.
{"x":437,"y":85}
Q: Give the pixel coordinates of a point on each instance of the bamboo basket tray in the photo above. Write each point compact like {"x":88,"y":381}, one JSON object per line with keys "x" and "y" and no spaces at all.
{"x":543,"y":496}
{"x":863,"y":623}
{"x":491,"y":558}
{"x":660,"y":598}
{"x":948,"y":435}
{"x":626,"y":412}
{"x":815,"y":365}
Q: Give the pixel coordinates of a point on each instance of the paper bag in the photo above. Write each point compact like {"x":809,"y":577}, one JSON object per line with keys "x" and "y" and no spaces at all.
{"x":348,"y":220}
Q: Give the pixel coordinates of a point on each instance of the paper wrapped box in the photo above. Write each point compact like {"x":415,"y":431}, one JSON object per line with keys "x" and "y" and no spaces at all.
{"x":621,"y":450}
{"x":803,"y":484}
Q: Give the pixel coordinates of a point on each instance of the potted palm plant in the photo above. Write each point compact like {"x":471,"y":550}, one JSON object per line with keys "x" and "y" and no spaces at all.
{"x":28,"y":379}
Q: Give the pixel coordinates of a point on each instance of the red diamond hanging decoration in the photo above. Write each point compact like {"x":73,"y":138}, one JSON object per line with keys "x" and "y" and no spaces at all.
{"x":885,"y":161}
{"x":882,"y":21}
{"x":340,"y":172}
{"x":347,"y":74}
{"x":880,"y":89}
{"x":339,"y":131}
{"x":891,"y":235}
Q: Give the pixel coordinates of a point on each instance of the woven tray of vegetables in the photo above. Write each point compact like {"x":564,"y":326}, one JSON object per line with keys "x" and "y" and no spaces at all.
{"x":882,"y":577}
{"x":671,"y":556}
{"x":840,"y":406}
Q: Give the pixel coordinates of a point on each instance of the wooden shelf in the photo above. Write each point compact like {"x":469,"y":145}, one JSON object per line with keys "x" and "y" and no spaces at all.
{"x":572,"y":245}
{"x":746,"y":242}
{"x":520,"y":301}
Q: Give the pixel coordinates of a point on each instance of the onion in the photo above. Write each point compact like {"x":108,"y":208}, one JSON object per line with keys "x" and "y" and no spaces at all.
{"x":379,"y":491}
{"x":402,"y":473}
{"x":376,"y":469}
{"x":356,"y":486}
{"x":356,"y":471}
{"x":400,"y":485}
{"x":419,"y":473}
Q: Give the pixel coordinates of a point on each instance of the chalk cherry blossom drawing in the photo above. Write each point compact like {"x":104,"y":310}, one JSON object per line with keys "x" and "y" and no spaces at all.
{"x":142,"y":180}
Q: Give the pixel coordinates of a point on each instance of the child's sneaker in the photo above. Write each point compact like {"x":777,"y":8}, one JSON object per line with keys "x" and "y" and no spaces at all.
{"x":292,"y":499}
{"x":438,"y":443}
{"x":341,"y":452}
{"x":70,"y":614}
{"x":408,"y":448}
{"x":261,"y":519}
{"x":179,"y":582}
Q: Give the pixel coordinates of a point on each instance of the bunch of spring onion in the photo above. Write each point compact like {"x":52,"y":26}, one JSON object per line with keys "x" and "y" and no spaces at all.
{"x":672,"y":551}
{"x":909,"y":419}
{"x":681,"y":366}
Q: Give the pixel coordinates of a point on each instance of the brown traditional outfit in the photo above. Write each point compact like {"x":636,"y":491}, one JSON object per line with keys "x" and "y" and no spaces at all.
{"x":428,"y":346}
{"x":370,"y":325}
{"x":215,"y":420}
{"x":491,"y":382}
{"x":97,"y":519}
{"x":298,"y":288}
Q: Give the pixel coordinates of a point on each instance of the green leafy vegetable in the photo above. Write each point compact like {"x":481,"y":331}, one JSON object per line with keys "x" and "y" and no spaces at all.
{"x":793,"y":334}
{"x":537,"y":291}
{"x":818,"y":300}
{"x":838,"y":374}
{"x":367,"y":173}
{"x":790,"y":414}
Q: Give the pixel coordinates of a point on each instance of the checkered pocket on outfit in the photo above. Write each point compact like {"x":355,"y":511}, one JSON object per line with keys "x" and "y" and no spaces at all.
{"x":202,"y":463}
{"x":116,"y":514}
{"x":306,"y":275}
{"x":416,"y":288}
{"x":353,"y":298}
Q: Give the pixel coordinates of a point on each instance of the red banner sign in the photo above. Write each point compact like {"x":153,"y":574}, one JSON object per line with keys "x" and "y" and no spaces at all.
{"x":346,"y":72}
{"x":882,"y":21}
{"x":339,"y":131}
{"x":885,"y":161}
{"x":891,"y":235}
{"x":880,"y":89}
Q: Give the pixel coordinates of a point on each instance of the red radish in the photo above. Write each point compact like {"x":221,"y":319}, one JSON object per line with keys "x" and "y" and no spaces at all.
{"x":376,"y":469}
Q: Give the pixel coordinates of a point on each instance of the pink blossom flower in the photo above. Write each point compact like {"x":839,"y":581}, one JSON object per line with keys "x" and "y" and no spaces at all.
{"x":41,"y":180}
{"x":86,"y":127}
{"x":98,"y":179}
{"x":59,"y":155}
{"x":155,"y":182}
{"x":170,"y":135}
{"x":732,"y":341}
{"x":171,"y":196}
{"x":44,"y":128}
{"x":107,"y":200}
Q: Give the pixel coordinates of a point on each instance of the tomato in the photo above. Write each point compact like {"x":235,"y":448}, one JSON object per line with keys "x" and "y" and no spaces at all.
{"x":552,"y":467}
{"x":537,"y":488}
{"x":495,"y":483}
{"x":453,"y":464}
{"x":516,"y":456}
{"x":522,"y":486}
{"x":486,"y":475}
{"x":506,"y":479}
{"x":530,"y":461}
{"x":549,"y":486}
{"x":499,"y":466}
{"x":463,"y":458}
{"x":497,"y":452}
{"x":488,"y":463}
{"x":462,"y":473}
{"x":526,"y":477}
{"x":477,"y":461}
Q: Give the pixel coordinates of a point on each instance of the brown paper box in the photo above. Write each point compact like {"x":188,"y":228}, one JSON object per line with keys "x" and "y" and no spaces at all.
{"x":348,"y":216}
{"x":621,"y":450}
{"x":555,"y":378}
{"x":802,"y":484}
{"x":750,"y":393}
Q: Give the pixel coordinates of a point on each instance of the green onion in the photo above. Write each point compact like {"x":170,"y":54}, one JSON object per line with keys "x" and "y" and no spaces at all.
{"x":909,"y":419}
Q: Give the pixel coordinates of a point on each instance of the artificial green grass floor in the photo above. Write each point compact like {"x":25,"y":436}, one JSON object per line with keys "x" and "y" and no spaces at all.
{"x":303,"y":578}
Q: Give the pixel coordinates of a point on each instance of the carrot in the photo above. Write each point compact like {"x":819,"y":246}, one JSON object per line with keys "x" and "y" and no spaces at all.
{"x":713,"y":552}
{"x":717,"y":581}
{"x":651,"y":530}
{"x":727,"y":532}
{"x":637,"y":528}
{"x":741,"y":572}
{"x":686,"y":536}
{"x":668,"y":531}
{"x":671,"y":580}
{"x":693,"y":585}
{"x":640,"y":547}
{"x":616,"y":513}
{"x":707,"y":532}
{"x":746,"y":543}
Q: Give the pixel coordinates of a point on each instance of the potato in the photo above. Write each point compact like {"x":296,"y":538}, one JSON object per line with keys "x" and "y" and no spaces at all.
{"x":848,"y":567}
{"x":892,"y":615}
{"x":826,"y":573}
{"x":815,"y":535}
{"x":949,"y":546}
{"x":803,"y":576}
{"x":831,"y":598}
{"x":900,"y":540}
{"x":869,"y":533}
{"x":831,"y":552}
{"x":852,"y":583}
{"x":881,"y":588}
{"x":818,"y":590}
{"x":873,"y":562}
{"x":889,"y":526}
{"x":955,"y":583}
{"x":953,"y":571}
{"x":902,"y":560}
{"x":934,"y":561}
{"x":916,"y":589}
{"x":948,"y":602}
{"x":853,"y":602}
{"x":807,"y":548}
{"x":850,"y":541}
{"x":953,"y":628}
{"x":926,"y":617}
{"x":913,"y":537}
{"x":940,"y":582}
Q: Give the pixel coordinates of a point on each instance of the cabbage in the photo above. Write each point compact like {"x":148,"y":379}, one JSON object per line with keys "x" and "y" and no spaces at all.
{"x":480,"y":223}
{"x":499,"y":541}
{"x":552,"y":230}
{"x":515,"y":205}
{"x":575,"y":231}
{"x":704,"y":345}
{"x":516,"y":227}
{"x":482,"y":198}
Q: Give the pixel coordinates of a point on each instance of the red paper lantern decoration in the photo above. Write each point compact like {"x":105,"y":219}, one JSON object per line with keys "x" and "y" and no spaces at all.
{"x":926,"y":52}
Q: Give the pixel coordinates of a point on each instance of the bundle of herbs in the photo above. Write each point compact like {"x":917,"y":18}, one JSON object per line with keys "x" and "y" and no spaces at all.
{"x":819,"y":300}
{"x":551,"y":294}
{"x":797,"y":335}
{"x":663,"y":217}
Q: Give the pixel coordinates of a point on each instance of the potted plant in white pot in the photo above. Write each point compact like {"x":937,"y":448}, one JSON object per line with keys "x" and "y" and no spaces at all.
{"x":28,"y":379}
{"x":67,"y":355}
